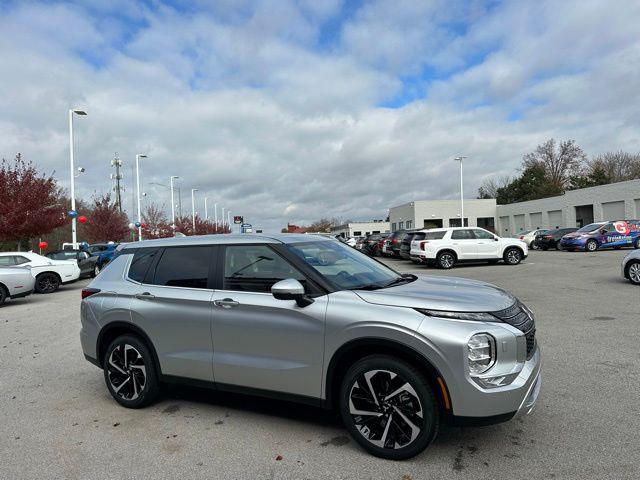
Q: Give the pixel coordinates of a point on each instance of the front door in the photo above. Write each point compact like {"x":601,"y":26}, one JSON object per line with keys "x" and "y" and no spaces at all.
{"x":259,"y":341}
{"x":464,"y":243}
{"x":486,"y":244}
{"x":173,"y":306}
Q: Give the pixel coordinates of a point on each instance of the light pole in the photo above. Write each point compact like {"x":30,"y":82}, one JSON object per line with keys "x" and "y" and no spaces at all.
{"x":193,"y":208}
{"x":74,"y":239}
{"x":138,"y":157}
{"x":459,"y":159}
{"x":215,"y":212}
{"x":222,"y":217}
{"x":229,"y":220}
{"x":206,"y":212}
{"x":173,"y":206}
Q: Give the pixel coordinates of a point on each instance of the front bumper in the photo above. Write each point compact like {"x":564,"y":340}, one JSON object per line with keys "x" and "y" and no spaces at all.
{"x":573,"y":243}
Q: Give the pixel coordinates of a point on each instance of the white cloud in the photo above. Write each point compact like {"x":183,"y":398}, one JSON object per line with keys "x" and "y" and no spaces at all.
{"x":240,"y":102}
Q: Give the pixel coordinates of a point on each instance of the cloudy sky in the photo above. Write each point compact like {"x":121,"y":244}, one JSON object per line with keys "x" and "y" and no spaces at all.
{"x":293,"y":110}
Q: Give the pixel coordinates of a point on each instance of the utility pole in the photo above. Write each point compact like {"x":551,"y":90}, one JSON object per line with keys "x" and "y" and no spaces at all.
{"x":116,"y":162}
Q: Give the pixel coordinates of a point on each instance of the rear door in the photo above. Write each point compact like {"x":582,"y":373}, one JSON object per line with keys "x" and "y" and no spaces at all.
{"x":172,"y":304}
{"x":259,"y":341}
{"x":464,"y":242}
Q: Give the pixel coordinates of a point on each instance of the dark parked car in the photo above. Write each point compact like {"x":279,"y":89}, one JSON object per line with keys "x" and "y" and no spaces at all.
{"x":103,"y":252}
{"x":88,"y":264}
{"x":405,"y":244}
{"x":393,"y":243}
{"x":372,"y":245}
{"x":551,"y":239}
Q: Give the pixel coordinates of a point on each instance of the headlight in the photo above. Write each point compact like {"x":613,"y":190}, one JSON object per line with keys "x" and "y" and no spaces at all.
{"x":481,"y":352}
{"x":477,"y":316}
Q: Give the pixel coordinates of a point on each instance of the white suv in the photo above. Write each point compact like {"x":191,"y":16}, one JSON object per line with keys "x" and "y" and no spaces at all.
{"x":446,"y":246}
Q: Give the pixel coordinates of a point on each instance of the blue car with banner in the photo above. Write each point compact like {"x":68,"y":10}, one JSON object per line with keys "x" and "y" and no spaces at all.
{"x":616,"y":234}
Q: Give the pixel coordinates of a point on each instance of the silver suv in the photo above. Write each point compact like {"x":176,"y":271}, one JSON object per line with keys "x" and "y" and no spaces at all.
{"x":310,"y":319}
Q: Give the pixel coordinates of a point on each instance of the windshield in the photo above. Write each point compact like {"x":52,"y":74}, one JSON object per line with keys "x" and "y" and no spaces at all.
{"x":345,"y":267}
{"x":590,"y":228}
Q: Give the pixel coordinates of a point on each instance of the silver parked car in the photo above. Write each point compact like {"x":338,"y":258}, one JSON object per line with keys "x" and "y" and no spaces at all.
{"x":307,"y":318}
{"x":15,"y":282}
{"x":631,"y":267}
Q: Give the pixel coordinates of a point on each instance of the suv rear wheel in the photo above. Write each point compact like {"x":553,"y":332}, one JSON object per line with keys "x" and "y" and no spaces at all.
{"x":130,"y":373}
{"x":388,"y":407}
{"x":446,"y":260}
{"x":633,"y":272}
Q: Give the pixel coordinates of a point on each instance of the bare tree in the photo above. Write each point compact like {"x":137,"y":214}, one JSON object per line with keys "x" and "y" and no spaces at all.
{"x":617,"y":166}
{"x":559,"y":164}
{"x":490,"y":186}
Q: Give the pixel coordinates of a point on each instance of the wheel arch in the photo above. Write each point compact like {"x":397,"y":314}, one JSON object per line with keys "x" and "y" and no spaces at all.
{"x":50,"y":271}
{"x":447,"y":249}
{"x":112,"y":330}
{"x":354,"y":350}
{"x":627,"y":267}
{"x":4,"y":288}
{"x":509,"y":247}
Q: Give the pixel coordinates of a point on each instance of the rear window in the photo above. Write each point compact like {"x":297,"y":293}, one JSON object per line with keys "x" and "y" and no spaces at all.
{"x":142,"y":260}
{"x":418,"y":236}
{"x":183,"y":267}
{"x":64,"y":255}
{"x":434,"y":235}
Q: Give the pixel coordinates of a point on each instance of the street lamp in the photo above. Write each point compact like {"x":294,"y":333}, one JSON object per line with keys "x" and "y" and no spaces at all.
{"x":206,"y":212}
{"x":222,"y":217}
{"x":459,"y":159}
{"x":173,"y":205}
{"x":193,"y":208}
{"x":74,"y":239}
{"x":138,"y":157}
{"x":215,"y":212}
{"x":229,"y":219}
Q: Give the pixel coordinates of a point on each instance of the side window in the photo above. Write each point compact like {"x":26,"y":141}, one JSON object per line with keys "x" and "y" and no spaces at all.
{"x":183,"y":267}
{"x":434,"y":235}
{"x":463,"y":234}
{"x":141,"y":262}
{"x":255,"y":268}
{"x":20,"y":260}
{"x":7,"y":260}
{"x":482,"y":235}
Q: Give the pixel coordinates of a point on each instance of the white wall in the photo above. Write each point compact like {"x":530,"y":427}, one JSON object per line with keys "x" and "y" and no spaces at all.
{"x":419,"y":211}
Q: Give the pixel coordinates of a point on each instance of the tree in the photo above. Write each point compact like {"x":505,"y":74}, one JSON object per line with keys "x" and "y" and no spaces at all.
{"x":155,"y":222}
{"x":184,"y":225}
{"x":105,"y":222}
{"x":323,"y":225}
{"x":531,"y":185}
{"x":490,"y":186}
{"x":616,"y":166}
{"x":30,"y":202}
{"x":559,"y":164}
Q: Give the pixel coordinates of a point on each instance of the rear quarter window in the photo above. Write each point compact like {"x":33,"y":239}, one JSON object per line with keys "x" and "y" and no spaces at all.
{"x":142,"y":260}
{"x":433,"y":235}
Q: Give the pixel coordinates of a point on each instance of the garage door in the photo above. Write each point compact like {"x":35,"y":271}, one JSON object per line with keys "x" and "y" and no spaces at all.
{"x":536,"y":220}
{"x":519,"y":222}
{"x":504,"y":226}
{"x":555,"y":219}
{"x":613,"y":211}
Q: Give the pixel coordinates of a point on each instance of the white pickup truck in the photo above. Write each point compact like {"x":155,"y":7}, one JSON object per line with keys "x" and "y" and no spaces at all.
{"x":49,"y":274}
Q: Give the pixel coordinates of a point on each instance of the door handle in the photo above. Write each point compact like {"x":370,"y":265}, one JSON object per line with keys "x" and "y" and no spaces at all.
{"x":144,"y":296}
{"x":226,"y":303}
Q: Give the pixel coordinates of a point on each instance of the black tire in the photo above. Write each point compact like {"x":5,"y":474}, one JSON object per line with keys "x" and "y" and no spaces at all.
{"x":129,"y":384}
{"x":545,"y":248}
{"x":47,"y":282}
{"x":446,"y":260}
{"x":95,"y":271}
{"x":558,"y":246}
{"x":512,"y":256}
{"x":636,"y":244}
{"x":633,"y":272}
{"x":3,"y":295}
{"x":591,"y":245}
{"x":404,"y":408}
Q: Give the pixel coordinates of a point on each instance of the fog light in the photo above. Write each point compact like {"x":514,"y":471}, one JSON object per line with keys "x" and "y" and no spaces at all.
{"x":481,"y":353}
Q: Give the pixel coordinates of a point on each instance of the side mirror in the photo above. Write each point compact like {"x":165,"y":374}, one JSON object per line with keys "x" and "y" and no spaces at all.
{"x":496,"y":239}
{"x":291,"y":289}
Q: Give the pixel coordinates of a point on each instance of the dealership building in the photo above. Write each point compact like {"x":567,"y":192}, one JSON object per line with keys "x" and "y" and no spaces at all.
{"x":360,"y":229}
{"x":616,"y":201}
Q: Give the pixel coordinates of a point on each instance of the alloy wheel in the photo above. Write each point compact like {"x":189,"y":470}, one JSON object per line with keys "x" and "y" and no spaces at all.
{"x":126,"y":371}
{"x":47,"y":284}
{"x":592,"y":246}
{"x":513,"y":256}
{"x":385,"y":409}
{"x":634,"y":272}
{"x":96,"y":270}
{"x":446,"y":260}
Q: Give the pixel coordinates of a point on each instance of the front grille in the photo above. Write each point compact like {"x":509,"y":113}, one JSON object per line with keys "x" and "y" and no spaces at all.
{"x":518,"y":317}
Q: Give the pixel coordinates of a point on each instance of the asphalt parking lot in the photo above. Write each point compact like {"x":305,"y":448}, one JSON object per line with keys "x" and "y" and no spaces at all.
{"x":57,"y":419}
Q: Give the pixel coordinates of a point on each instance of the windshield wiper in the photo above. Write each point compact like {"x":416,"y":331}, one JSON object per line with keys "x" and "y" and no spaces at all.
{"x":402,"y":279}
{"x":371,"y":286}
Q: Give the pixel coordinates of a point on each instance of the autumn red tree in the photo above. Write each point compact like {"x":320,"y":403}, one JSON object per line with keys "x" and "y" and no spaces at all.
{"x":104,"y":221}
{"x":155,"y":222}
{"x":184,"y":225}
{"x":30,"y":202}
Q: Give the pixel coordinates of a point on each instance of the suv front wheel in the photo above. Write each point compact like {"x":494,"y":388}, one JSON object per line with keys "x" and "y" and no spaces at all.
{"x":388,"y":407}
{"x":130,"y":373}
{"x":512,"y":256}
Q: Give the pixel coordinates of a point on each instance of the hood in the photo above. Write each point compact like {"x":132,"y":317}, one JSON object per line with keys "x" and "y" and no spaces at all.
{"x":577,"y":235}
{"x":442,"y":293}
